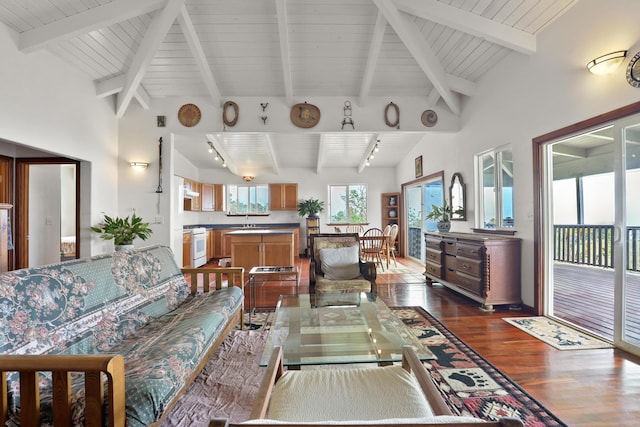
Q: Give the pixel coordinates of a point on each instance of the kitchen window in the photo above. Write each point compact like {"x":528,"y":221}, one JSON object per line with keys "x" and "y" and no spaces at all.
{"x":348,"y":204}
{"x":247,"y":199}
{"x":494,"y":192}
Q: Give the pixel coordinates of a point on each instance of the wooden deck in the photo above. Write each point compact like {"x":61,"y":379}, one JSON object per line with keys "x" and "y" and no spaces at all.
{"x":583,"y":295}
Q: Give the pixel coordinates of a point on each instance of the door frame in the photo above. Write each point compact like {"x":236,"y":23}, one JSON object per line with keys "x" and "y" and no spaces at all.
{"x":21,"y":207}
{"x":538,"y":144}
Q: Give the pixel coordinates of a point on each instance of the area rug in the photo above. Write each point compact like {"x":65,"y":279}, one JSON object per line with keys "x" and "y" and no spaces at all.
{"x":470,"y":384}
{"x":556,"y":334}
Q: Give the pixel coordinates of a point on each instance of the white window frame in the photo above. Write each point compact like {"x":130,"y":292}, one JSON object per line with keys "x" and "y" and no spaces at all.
{"x":330,"y":213}
{"x":500,"y":224}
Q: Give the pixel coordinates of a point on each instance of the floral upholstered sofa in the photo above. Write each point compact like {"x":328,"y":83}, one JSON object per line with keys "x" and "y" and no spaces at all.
{"x":335,"y":266}
{"x":129,"y":321}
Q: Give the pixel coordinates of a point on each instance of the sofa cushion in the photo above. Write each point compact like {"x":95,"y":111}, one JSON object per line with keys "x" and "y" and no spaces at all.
{"x":325,"y":286}
{"x":348,"y":394}
{"x":340,"y":263}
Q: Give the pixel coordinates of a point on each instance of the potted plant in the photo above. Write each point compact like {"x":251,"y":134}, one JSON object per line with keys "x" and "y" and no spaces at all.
{"x":442,"y":214}
{"x":310,"y":207}
{"x":123,"y":230}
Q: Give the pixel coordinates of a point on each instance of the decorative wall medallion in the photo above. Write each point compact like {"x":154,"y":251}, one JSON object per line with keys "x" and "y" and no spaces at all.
{"x":189,"y":115}
{"x":633,"y":71}
{"x":305,"y":115}
{"x":230,"y":105}
{"x":429,"y":118}
{"x":396,"y":111}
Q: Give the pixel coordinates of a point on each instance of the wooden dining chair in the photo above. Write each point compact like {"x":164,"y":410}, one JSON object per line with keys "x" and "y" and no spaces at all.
{"x":371,"y":246}
{"x":391,"y":241}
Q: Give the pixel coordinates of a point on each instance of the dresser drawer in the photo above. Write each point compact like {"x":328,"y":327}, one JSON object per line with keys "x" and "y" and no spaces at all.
{"x":469,"y":251}
{"x":434,"y":256}
{"x":450,"y":247}
{"x":433,"y":243}
{"x":434,"y":270}
{"x":471,"y":284}
{"x":472,"y":267}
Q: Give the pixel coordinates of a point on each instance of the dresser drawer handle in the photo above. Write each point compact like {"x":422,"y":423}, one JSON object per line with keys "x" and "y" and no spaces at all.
{"x":466,"y":266}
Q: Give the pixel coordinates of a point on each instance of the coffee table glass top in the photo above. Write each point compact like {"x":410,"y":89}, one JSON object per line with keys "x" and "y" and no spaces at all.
{"x":338,"y":329}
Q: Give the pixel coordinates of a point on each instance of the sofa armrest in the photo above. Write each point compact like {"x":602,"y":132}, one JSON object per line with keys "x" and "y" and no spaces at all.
{"x":235,"y":277}
{"x":93,"y":366}
{"x":368,"y":271}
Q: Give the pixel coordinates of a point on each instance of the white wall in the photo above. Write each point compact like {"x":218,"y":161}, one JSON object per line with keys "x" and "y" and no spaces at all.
{"x":528,"y":96}
{"x":49,"y":105}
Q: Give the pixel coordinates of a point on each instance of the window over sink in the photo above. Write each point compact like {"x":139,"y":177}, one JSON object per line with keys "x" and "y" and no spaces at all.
{"x":247,"y":199}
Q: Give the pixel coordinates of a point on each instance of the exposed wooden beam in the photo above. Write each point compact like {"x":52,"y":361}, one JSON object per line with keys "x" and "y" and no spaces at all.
{"x":272,"y":154}
{"x":574,"y":152}
{"x":321,"y":153}
{"x":363,"y":162}
{"x":372,"y":58}
{"x":421,"y":52}
{"x":142,"y":96}
{"x":198,"y":53}
{"x":155,"y":34}
{"x":84,"y":22}
{"x":470,"y":23}
{"x":283,"y":31}
{"x":115,"y":85}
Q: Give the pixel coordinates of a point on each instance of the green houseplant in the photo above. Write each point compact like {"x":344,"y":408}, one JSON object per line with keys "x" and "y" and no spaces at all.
{"x":310,"y":207}
{"x":123,"y":230}
{"x":442,"y":215}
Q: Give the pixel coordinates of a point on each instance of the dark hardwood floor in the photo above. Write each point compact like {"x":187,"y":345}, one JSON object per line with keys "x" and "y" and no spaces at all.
{"x":582,"y":387}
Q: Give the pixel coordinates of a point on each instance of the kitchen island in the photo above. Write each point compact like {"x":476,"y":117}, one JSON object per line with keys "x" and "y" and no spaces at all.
{"x":260,"y":247}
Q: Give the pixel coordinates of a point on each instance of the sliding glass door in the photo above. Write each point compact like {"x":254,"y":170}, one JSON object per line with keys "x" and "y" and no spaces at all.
{"x":419,"y":197}
{"x":592,"y":231}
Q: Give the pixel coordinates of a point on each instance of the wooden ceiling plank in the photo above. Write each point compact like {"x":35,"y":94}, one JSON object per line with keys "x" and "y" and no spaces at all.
{"x":198,"y":53}
{"x":285,"y":54}
{"x":272,"y":154}
{"x":156,"y":32}
{"x":470,"y":23}
{"x":407,"y":31}
{"x":372,"y":57}
{"x":93,"y":19}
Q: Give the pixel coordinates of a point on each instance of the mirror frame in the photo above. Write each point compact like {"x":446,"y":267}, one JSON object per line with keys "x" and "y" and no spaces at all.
{"x":456,"y":180}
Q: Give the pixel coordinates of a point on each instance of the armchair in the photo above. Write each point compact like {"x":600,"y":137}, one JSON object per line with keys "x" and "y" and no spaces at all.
{"x":336,"y":267}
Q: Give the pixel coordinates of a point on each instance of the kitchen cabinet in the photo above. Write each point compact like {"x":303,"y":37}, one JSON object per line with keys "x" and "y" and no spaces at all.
{"x":261,"y":248}
{"x":212,"y":196}
{"x":194,"y":203}
{"x":210,"y":244}
{"x":283,"y":197}
{"x":481,"y":267}
{"x":186,"y":250}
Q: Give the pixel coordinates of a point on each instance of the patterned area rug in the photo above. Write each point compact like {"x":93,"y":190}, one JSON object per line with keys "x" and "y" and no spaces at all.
{"x":470,"y":384}
{"x":556,"y":334}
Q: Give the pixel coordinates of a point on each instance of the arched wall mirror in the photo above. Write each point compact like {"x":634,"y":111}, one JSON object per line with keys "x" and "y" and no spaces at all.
{"x":457,"y":198}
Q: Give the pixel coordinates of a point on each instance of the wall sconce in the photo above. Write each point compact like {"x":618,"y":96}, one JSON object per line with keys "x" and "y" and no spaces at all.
{"x":606,"y":64}
{"x":248,"y":178}
{"x":139,"y":165}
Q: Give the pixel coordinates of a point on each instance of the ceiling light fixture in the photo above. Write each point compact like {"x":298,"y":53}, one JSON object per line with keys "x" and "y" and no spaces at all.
{"x":248,"y":178}
{"x":606,"y":64}
{"x":218,"y":157}
{"x":371,"y":155}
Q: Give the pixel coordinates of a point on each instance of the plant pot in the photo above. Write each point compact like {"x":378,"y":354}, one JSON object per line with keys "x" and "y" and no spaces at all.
{"x":444,"y":226}
{"x":127,"y":247}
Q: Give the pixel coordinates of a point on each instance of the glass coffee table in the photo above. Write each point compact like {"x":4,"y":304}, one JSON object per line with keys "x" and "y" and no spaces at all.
{"x":338,"y":329}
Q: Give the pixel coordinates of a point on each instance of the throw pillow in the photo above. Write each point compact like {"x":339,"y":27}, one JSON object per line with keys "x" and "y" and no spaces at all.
{"x":340,"y":263}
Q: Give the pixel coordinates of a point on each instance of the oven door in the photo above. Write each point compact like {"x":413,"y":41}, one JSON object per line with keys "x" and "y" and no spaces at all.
{"x":199,"y":249}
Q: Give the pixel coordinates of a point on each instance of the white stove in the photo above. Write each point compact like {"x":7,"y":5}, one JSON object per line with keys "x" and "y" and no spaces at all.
{"x":198,"y":246}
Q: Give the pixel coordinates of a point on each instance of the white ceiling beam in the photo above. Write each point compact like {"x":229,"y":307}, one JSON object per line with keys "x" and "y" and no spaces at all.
{"x":115,"y":84}
{"x":283,"y":31}
{"x":470,"y":23}
{"x":84,"y":22}
{"x":218,"y":147}
{"x":574,"y":152}
{"x":372,"y":58}
{"x":156,"y":32}
{"x":406,"y":29}
{"x":433,"y":98}
{"x":363,"y":162}
{"x":462,"y":86}
{"x":198,"y":53}
{"x":272,"y":154}
{"x":321,"y":153}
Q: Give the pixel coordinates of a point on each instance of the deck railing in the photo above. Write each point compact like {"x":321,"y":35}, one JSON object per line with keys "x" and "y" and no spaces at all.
{"x":593,"y":245}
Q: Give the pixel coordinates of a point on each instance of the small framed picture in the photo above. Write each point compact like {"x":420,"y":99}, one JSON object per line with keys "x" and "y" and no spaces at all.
{"x":418,"y":166}
{"x":161,"y":121}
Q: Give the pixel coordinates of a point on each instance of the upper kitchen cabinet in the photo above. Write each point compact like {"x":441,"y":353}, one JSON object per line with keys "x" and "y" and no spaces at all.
{"x":192,"y":195}
{"x":212,"y":196}
{"x":283,"y":197}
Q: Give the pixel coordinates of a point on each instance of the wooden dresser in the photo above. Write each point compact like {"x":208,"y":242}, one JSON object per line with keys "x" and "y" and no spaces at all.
{"x":485,"y":268}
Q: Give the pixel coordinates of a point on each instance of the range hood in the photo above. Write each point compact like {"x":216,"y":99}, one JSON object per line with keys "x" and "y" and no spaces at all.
{"x":188,"y":194}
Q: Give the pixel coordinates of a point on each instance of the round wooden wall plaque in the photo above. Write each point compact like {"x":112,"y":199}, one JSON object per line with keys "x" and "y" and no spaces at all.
{"x":189,"y":115}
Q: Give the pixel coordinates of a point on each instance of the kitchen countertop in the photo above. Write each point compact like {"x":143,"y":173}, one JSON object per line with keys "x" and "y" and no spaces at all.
{"x":242,"y":226}
{"x":249,"y":231}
